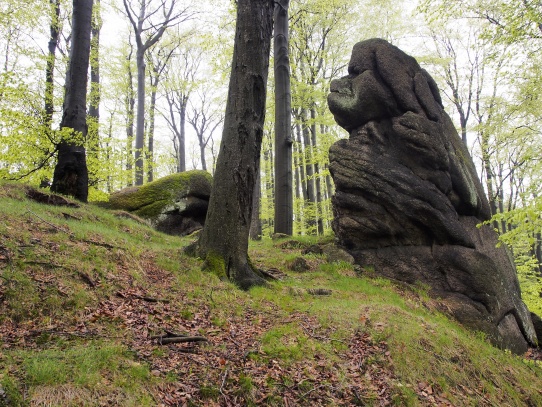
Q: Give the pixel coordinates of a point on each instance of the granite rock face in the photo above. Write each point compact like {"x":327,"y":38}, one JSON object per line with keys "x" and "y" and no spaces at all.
{"x":408,"y":199}
{"x":175,"y":204}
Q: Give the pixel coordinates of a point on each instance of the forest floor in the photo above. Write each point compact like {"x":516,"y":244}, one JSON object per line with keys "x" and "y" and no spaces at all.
{"x":89,"y":300}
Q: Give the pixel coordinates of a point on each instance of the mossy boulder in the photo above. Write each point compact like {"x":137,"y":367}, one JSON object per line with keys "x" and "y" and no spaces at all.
{"x":175,"y":204}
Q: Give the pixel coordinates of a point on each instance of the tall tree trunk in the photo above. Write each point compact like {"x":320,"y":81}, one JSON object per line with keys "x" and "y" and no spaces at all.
{"x":318,"y":179}
{"x":50,"y":67}
{"x":297,"y":175}
{"x":202,"y":153}
{"x":95,"y":91}
{"x":538,"y":251}
{"x":71,"y":174}
{"x":224,"y":240}
{"x":140,"y":117}
{"x":150,"y":139}
{"x":310,"y":203}
{"x":182,"y":134}
{"x":284,"y":209}
{"x":269,"y":184}
{"x":301,"y":155}
{"x":93,"y":119}
{"x":130,"y":104}
{"x":108,"y":157}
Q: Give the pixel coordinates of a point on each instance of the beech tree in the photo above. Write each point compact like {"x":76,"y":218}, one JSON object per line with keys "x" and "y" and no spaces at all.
{"x":284,"y":206}
{"x":71,"y":174}
{"x":54,"y":32}
{"x":93,"y":117}
{"x":204,"y":119}
{"x":180,"y":80}
{"x":147,"y":32}
{"x":158,"y":59}
{"x":224,"y":240}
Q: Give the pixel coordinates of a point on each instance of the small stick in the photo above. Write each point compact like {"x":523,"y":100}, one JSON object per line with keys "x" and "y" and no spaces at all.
{"x":164,"y":340}
{"x":224,"y":379}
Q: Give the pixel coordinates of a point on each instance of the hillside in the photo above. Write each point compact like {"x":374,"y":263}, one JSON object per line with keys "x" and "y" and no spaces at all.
{"x":89,"y":299}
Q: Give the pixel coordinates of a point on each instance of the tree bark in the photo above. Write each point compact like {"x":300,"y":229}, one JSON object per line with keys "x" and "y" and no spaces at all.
{"x":182,"y":134}
{"x":130,"y":104}
{"x":256,"y":223}
{"x":95,"y":91}
{"x":51,"y":59}
{"x":284,"y":210}
{"x":140,"y":116}
{"x":71,"y":174}
{"x":224,"y":240}
{"x":93,"y":117}
{"x":318,"y":179}
{"x":154,"y":79}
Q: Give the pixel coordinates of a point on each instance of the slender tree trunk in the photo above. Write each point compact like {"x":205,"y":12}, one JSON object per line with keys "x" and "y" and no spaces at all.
{"x":71,"y":174}
{"x":155,"y":79}
{"x":284,"y":210}
{"x":95,"y":91}
{"x":182,"y":134}
{"x":301,"y":155}
{"x":297,"y":175}
{"x":269,"y":184}
{"x":130,"y":104}
{"x":140,"y":118}
{"x":50,"y":67}
{"x":538,"y":251}
{"x":489,"y":181}
{"x":317,"y":180}
{"x":108,"y":157}
{"x":202,"y":153}
{"x":224,"y":240}
{"x":309,"y":174}
{"x":93,"y":118}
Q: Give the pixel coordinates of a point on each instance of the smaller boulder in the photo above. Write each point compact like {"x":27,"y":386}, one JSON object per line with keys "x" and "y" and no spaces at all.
{"x":299,"y":264}
{"x":176,"y":204}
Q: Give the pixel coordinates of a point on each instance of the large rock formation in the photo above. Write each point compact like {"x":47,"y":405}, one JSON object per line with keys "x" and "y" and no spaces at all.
{"x":176,"y":204}
{"x":408,"y":199}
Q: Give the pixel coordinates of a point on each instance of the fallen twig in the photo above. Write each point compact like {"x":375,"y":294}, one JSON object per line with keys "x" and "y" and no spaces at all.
{"x":150,"y":299}
{"x":144,"y":298}
{"x":86,"y":278}
{"x":171,"y":337}
{"x":180,"y":339}
{"x":224,"y":380}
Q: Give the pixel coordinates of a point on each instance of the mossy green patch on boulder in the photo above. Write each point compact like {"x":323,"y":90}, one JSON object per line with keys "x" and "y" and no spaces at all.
{"x":175,"y":204}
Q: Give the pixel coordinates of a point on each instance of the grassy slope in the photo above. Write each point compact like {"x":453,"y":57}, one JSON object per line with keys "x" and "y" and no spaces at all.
{"x":76,"y":321}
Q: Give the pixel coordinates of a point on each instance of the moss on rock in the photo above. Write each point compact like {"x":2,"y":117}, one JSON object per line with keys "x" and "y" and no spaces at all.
{"x":157,"y":200}
{"x":165,"y":190}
